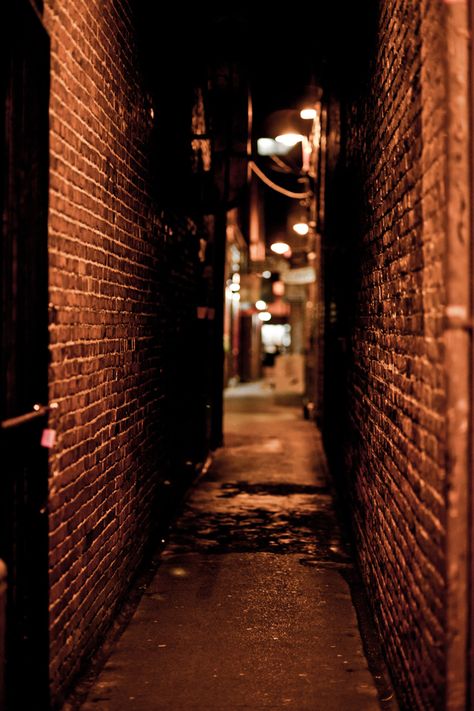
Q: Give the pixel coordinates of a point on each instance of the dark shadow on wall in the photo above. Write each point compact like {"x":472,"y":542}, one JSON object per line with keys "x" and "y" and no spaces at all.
{"x":379,"y":319}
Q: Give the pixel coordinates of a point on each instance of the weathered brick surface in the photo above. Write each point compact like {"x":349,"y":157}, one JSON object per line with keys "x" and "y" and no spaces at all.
{"x":122,"y":292}
{"x":388,"y":311}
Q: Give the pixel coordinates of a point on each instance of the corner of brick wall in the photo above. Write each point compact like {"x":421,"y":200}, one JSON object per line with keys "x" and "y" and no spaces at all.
{"x":122,"y":290}
{"x":385,"y":258}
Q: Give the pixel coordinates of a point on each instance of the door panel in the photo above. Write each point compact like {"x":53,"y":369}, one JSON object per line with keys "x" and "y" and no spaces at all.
{"x":24,"y":351}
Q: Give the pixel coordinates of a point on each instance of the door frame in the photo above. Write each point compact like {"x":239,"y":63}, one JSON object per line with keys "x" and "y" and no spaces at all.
{"x":24,"y":188}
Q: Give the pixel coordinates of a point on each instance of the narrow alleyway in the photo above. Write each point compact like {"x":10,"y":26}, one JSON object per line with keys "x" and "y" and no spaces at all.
{"x":251,"y":607}
{"x":195,"y":200}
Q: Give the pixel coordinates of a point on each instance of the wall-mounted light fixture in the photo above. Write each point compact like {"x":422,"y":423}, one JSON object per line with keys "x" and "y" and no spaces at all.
{"x":308,"y":114}
{"x":286,"y":129}
{"x":271,"y":147}
{"x":280,"y":247}
{"x":290,"y":139}
{"x":301,"y":228}
{"x":291,"y":143}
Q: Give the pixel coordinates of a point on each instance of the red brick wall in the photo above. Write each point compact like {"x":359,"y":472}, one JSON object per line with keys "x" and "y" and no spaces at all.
{"x":386,"y":249}
{"x":122,"y":292}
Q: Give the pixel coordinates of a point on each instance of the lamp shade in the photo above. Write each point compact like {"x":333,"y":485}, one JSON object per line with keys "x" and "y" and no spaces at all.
{"x":285,"y":121}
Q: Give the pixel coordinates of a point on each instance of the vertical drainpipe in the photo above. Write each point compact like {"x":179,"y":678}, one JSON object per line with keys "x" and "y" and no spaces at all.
{"x":470,"y":668}
{"x":458,"y":348}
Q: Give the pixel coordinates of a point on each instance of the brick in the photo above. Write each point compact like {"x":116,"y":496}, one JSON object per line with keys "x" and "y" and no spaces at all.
{"x":392,"y":247}
{"x":115,"y":317}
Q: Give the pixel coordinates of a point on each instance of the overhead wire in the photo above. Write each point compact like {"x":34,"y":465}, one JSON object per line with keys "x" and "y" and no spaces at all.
{"x":265,"y":179}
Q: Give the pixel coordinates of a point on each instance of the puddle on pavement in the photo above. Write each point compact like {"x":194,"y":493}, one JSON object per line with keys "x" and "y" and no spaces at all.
{"x":271,"y":488}
{"x":240,"y":517}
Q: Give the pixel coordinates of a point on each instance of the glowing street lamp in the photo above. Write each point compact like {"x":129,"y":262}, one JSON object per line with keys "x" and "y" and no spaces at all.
{"x":290,"y":139}
{"x":308,"y":113}
{"x":301,"y":228}
{"x":280,"y":247}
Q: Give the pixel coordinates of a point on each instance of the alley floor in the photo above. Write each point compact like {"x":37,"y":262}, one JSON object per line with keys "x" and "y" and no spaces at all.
{"x":251,"y":604}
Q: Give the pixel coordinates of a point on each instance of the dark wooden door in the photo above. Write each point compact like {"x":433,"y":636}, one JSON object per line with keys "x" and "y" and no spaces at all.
{"x":24,"y":351}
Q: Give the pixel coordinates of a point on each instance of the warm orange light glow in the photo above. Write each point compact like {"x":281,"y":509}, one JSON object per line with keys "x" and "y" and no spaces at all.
{"x":308,"y":114}
{"x":278,"y":288}
{"x":280,"y":247}
{"x":301,"y":228}
{"x":270,"y":147}
{"x":290,"y":139}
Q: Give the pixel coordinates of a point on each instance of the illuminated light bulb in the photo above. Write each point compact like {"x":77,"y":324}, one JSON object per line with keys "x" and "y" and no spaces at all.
{"x":301,"y":228}
{"x":236,"y":278}
{"x":264,"y":316}
{"x":280,"y":247}
{"x":270,"y":147}
{"x":308,"y":114}
{"x":261,"y":305}
{"x":289,"y":139}
{"x":312,"y":255}
{"x":278,"y":288}
{"x":266,"y":274}
{"x":234,"y":287}
{"x":265,"y":145}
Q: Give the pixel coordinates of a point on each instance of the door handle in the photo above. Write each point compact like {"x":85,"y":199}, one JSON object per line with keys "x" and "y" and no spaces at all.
{"x":36,"y":412}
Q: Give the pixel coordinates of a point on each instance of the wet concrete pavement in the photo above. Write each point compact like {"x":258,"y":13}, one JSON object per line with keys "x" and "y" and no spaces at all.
{"x":250,"y":607}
